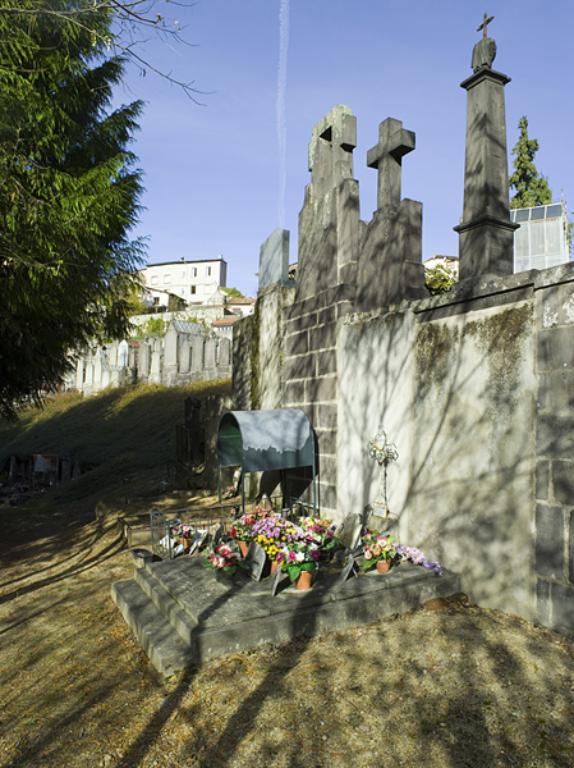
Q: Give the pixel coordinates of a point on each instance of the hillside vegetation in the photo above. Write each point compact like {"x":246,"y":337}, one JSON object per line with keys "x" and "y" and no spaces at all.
{"x":125,"y":436}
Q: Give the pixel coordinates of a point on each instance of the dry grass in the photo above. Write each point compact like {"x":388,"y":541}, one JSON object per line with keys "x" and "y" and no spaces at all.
{"x":461,"y":688}
{"x":126,"y":434}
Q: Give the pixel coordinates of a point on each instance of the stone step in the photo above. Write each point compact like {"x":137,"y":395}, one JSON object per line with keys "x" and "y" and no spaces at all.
{"x":208,"y":618}
{"x":165,"y":649}
{"x":181,"y":621}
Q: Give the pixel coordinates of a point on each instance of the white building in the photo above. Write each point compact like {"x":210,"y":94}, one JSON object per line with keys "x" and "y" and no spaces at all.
{"x":542,"y":238}
{"x":195,"y":282}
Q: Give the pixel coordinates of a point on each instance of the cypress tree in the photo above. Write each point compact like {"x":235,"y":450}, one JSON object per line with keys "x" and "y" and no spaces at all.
{"x":531,"y":188}
{"x":69,"y":192}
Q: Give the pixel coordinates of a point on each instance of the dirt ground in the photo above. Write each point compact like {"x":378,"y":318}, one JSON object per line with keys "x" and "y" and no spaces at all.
{"x":454,"y":687}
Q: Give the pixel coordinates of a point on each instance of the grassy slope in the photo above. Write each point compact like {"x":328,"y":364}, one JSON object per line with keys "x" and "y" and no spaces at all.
{"x":128,"y":434}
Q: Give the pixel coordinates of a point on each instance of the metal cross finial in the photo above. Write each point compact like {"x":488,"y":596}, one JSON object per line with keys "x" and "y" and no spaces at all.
{"x":485,"y":22}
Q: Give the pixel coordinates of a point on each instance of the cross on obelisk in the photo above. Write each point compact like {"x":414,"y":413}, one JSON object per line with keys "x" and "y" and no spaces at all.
{"x":386,"y":157}
{"x":485,"y":22}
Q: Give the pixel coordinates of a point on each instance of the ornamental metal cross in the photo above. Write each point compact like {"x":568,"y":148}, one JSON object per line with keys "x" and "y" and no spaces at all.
{"x":386,"y":156}
{"x":485,"y":22}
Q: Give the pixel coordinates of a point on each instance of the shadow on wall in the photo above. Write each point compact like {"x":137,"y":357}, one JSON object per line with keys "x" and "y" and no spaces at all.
{"x":456,"y":395}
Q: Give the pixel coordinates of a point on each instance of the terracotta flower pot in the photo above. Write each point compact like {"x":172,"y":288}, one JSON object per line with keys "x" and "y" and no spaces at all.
{"x":274,"y":566}
{"x":305,"y":580}
{"x":383,"y":566}
{"x":243,"y":548}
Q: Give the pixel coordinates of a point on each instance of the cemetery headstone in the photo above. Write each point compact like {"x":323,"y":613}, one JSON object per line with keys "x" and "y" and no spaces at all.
{"x":255,"y":561}
{"x":274,"y":259}
{"x":210,"y":354}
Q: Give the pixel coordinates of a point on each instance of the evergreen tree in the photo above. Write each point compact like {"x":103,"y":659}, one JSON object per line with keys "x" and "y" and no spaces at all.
{"x":68,"y":193}
{"x":531,"y":188}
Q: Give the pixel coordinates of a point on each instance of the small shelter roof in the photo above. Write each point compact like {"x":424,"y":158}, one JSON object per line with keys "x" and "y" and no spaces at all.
{"x":264,"y":440}
{"x":183,"y":326}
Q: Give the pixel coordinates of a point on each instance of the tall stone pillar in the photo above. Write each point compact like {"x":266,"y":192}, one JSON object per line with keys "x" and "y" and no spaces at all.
{"x":486,"y":234}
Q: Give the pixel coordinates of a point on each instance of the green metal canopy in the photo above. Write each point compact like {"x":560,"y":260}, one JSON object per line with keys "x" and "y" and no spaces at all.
{"x":258,"y":441}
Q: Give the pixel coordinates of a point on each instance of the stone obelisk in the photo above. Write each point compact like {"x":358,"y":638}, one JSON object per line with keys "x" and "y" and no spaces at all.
{"x":486,"y":234}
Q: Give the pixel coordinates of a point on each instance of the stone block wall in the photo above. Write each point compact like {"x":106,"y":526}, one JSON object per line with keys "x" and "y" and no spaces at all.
{"x":310,"y":376}
{"x":554,"y":481}
{"x":272,"y":305}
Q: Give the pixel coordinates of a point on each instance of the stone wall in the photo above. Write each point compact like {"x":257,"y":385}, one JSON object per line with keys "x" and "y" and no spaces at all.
{"x":554,"y":483}
{"x":268,"y":357}
{"x":310,"y":377}
{"x":454,"y":385}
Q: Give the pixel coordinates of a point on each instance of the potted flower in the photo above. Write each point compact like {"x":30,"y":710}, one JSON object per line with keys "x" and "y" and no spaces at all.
{"x":242,"y":531}
{"x":379,"y":551}
{"x":299,"y":559}
{"x":320,"y":531}
{"x":181,"y":534}
{"x":274,"y":532}
{"x":223,"y":558}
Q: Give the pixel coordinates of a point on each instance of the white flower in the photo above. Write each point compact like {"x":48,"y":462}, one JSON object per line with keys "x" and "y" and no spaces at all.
{"x":300,"y":557}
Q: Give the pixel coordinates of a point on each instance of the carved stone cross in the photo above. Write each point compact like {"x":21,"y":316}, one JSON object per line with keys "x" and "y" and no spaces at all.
{"x":386,"y":157}
{"x":485,"y":22}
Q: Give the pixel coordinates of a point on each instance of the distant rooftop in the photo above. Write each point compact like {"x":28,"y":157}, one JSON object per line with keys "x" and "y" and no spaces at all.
{"x":184,"y":261}
{"x":182,"y":326}
{"x":227,"y":320}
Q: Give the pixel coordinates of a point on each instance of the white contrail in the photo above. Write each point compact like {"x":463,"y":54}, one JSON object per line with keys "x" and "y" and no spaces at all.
{"x":280,"y":106}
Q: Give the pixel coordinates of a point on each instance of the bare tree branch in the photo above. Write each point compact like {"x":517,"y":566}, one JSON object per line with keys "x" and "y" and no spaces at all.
{"x":129,"y":15}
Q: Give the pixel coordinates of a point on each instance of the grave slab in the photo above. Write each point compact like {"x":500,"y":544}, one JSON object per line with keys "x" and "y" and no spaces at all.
{"x":183,"y":614}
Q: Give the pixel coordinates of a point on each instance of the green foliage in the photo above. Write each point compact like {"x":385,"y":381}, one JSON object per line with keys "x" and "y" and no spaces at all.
{"x":155,"y":326}
{"x":531,"y":188}
{"x":68,"y":192}
{"x":134,"y":302}
{"x":233,"y":293}
{"x":439,"y":279}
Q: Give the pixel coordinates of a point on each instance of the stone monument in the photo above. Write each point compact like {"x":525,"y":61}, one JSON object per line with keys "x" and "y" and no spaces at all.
{"x":390,"y":263}
{"x":274,"y":259}
{"x":486,"y":244}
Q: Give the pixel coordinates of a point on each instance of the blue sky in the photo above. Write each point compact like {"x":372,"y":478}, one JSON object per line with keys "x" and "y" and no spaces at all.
{"x":212,"y":173}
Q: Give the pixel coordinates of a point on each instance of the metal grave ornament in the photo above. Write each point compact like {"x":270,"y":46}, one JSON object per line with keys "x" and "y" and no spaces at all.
{"x":383,"y":452}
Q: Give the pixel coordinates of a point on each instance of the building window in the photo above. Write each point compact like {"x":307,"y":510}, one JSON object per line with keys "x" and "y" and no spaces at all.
{"x":154,"y":280}
{"x":192,"y":288}
{"x":208,"y":271}
{"x":167,"y":278}
{"x":195,"y":272}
